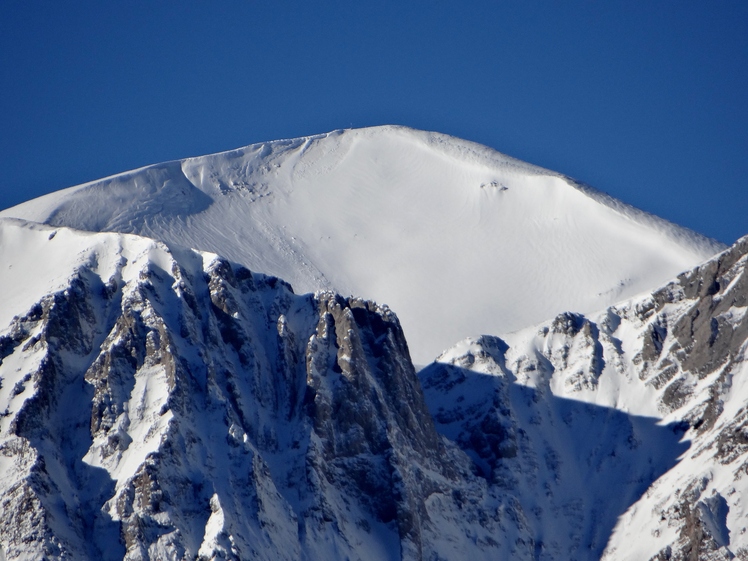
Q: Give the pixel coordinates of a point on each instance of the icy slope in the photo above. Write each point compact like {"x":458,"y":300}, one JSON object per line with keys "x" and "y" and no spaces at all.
{"x":456,"y":237}
{"x":622,"y":435}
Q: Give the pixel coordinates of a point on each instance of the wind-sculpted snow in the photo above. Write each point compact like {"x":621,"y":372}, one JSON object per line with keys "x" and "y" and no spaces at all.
{"x":622,"y":435}
{"x":459,"y":239}
{"x":132,"y":202}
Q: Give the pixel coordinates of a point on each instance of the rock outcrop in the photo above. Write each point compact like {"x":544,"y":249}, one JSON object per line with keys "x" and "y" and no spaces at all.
{"x":185,"y":407}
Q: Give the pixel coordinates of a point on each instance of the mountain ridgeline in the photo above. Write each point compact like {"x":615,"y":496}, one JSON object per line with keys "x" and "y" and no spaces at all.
{"x":398,"y":216}
{"x":165,"y":403}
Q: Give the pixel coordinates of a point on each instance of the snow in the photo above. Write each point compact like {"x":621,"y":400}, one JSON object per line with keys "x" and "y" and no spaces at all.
{"x":458,"y":239}
{"x":213,"y":528}
{"x":570,"y":448}
{"x":542,"y":380}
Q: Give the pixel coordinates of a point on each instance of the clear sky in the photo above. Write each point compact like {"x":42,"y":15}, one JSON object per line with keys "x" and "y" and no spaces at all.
{"x":647,"y":100}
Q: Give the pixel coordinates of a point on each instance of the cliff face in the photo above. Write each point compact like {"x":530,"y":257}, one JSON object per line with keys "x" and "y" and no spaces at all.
{"x":177,"y":406}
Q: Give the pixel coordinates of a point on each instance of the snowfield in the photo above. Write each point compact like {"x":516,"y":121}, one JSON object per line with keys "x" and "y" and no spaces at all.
{"x":459,"y":239}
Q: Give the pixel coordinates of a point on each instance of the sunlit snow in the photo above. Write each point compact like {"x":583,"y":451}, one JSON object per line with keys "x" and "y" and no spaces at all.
{"x":457,"y":238}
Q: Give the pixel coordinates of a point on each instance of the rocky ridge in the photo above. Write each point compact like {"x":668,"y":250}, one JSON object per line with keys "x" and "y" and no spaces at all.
{"x":177,"y":406}
{"x":620,"y":435}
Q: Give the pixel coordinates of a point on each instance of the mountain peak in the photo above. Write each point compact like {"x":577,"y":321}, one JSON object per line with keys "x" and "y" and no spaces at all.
{"x":457,"y":237}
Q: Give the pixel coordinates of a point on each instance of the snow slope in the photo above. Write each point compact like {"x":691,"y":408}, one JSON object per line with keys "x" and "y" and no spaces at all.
{"x":456,"y":237}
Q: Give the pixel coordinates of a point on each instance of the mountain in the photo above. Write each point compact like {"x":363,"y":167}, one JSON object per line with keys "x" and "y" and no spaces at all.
{"x":162,"y":402}
{"x":619,"y":435}
{"x":459,"y":239}
{"x":169,"y":404}
{"x":173,"y":405}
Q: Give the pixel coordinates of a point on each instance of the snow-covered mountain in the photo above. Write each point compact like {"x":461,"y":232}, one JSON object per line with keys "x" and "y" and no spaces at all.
{"x":173,"y":405}
{"x":161,"y":402}
{"x":457,"y":238}
{"x":169,"y":404}
{"x":619,"y":435}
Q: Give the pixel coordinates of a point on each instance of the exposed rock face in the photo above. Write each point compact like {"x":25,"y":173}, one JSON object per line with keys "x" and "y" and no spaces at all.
{"x":186,"y":408}
{"x":627,"y":427}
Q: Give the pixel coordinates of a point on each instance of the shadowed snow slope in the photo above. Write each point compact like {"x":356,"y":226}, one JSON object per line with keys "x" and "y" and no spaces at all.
{"x":456,"y":237}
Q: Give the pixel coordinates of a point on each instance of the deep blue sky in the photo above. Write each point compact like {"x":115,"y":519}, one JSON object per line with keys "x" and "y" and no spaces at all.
{"x":647,"y":101}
